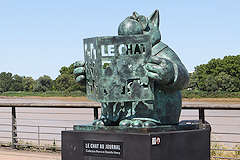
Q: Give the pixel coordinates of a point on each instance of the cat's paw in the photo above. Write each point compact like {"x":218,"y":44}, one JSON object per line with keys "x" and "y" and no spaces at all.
{"x":161,"y":70}
{"x":136,"y":123}
{"x":79,"y":71}
{"x":98,"y":122}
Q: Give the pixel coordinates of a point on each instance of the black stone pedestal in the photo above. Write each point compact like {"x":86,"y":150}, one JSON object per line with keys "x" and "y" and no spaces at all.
{"x":189,"y":140}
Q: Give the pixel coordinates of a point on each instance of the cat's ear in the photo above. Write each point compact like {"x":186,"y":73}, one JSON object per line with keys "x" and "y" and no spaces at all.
{"x":135,"y":15}
{"x":154,"y":18}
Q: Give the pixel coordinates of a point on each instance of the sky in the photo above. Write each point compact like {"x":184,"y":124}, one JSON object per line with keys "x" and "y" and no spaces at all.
{"x":38,"y":37}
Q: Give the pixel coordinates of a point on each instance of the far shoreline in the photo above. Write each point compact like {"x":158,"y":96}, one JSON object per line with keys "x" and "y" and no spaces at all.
{"x":84,"y":98}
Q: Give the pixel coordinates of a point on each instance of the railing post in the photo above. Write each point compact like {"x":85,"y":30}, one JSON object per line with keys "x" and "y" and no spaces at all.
{"x":202,"y":115}
{"x":38,"y":135}
{"x":14,"y":128}
{"x":95,"y":113}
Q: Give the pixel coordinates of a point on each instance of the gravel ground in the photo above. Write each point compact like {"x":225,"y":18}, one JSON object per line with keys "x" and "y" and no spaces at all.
{"x":9,"y":154}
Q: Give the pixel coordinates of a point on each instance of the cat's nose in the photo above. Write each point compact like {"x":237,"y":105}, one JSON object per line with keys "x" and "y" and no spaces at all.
{"x":130,"y":27}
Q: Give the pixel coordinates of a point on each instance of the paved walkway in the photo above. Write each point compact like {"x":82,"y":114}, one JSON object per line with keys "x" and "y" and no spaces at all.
{"x":8,"y":154}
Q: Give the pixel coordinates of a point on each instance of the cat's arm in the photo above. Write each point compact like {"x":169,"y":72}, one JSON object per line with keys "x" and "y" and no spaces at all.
{"x":167,"y":70}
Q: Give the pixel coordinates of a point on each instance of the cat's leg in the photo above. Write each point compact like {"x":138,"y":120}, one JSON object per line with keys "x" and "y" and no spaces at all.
{"x":104,"y":114}
{"x":109,"y":115}
{"x":142,"y":115}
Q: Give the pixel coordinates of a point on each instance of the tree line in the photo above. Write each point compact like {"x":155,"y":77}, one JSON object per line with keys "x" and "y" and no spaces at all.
{"x":217,"y":75}
{"x":64,"y":82}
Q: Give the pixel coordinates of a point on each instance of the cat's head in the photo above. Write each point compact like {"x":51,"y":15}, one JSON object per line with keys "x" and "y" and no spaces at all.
{"x":139,"y":24}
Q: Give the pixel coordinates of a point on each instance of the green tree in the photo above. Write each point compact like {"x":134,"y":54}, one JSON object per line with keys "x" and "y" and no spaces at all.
{"x":5,"y":81}
{"x":209,"y":84}
{"x":217,"y":74}
{"x":28,"y":83}
{"x":67,"y":70}
{"x":16,"y":83}
{"x":227,"y":82}
{"x":43,"y":84}
{"x":193,"y":83}
{"x":66,"y":80}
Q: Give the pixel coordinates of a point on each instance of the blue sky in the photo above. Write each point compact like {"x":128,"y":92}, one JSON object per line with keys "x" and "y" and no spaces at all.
{"x":38,"y":37}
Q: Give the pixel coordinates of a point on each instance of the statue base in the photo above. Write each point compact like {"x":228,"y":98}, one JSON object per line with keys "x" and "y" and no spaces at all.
{"x":189,"y":140}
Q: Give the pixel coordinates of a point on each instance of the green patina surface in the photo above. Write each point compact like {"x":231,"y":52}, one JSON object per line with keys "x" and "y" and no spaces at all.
{"x":135,"y":76}
{"x":183,"y":125}
{"x":115,"y":68}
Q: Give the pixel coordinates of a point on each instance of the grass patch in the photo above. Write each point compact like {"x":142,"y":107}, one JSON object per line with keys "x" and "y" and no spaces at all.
{"x":44,"y":94}
{"x":185,"y":94}
{"x":205,"y":94}
{"x":217,"y":150}
{"x":33,"y":147}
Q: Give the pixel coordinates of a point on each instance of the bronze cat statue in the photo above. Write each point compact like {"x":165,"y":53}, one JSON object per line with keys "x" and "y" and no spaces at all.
{"x":164,"y":68}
